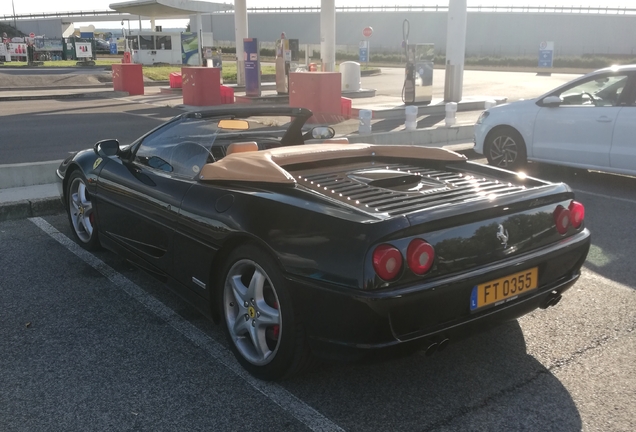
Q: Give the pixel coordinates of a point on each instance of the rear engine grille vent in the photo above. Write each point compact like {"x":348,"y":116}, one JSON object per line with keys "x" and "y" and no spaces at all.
{"x":404,"y":188}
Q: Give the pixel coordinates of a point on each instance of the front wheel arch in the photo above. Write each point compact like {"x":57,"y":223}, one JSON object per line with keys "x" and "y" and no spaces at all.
{"x":504,"y":147}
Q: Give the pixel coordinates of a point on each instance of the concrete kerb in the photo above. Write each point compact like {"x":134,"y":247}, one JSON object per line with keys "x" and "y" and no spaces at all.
{"x":28,"y":174}
{"x":30,"y":208}
{"x":432,"y":137}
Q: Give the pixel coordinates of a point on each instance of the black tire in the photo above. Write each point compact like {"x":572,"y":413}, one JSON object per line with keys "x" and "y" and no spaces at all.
{"x":505,"y":148}
{"x":256,"y":305}
{"x":81,"y":212}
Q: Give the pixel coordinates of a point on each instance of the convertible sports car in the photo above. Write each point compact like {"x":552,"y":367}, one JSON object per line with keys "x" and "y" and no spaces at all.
{"x":303,"y":247}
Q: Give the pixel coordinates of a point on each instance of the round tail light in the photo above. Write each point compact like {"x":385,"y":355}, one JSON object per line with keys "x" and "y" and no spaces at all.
{"x":577,"y":214}
{"x":420,"y":256}
{"x":387,"y":261}
{"x":562,"y":219}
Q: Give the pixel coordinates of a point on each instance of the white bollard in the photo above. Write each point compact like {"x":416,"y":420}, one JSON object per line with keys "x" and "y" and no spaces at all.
{"x":411,"y":117}
{"x":489,"y":104}
{"x":451,"y":109}
{"x":365,"y":122}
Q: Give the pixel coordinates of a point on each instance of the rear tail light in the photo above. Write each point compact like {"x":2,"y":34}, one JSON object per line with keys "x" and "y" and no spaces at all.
{"x":420,"y":256}
{"x":387,"y":261}
{"x":572,"y":216}
{"x":577,"y":214}
{"x":562,"y":219}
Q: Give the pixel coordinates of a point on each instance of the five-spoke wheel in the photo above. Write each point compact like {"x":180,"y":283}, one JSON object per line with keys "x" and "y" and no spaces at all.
{"x":251,"y":311}
{"x":259,"y":319}
{"x":81,"y":212}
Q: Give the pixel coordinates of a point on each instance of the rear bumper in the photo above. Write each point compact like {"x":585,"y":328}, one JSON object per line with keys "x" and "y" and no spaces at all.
{"x":338,"y":319}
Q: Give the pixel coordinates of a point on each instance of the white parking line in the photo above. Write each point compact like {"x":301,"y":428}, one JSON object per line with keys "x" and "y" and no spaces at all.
{"x":631,"y":201}
{"x":277,"y":394}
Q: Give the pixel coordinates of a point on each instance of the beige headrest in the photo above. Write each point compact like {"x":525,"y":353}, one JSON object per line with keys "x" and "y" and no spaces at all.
{"x":242,"y":147}
{"x":343,"y":140}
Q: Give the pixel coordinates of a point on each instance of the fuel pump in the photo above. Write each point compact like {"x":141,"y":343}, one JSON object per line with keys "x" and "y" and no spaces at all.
{"x":408,"y":90}
{"x":418,"y":72}
{"x":287,"y":54}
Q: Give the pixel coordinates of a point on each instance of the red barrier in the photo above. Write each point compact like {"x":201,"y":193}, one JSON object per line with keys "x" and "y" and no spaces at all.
{"x":318,"y":91}
{"x":128,"y":77}
{"x":227,"y":95}
{"x":175,"y":80}
{"x":201,"y":86}
{"x":345,"y":107}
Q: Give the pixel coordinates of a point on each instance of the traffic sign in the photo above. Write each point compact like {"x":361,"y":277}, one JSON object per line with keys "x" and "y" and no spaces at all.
{"x":31,"y":35}
{"x":367,"y":32}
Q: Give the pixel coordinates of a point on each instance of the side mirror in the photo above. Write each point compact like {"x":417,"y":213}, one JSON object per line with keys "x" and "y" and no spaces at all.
{"x":552,"y":101}
{"x":322,"y":132}
{"x":109,"y":147}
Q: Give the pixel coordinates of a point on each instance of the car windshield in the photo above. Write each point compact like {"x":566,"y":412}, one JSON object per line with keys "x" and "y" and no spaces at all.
{"x":185,"y":144}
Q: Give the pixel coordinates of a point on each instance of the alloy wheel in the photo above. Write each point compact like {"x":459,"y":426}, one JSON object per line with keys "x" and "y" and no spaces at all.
{"x":252,"y":313}
{"x":81,"y":210}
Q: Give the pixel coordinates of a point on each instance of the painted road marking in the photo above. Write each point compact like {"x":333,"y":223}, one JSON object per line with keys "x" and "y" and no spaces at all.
{"x":277,"y":394}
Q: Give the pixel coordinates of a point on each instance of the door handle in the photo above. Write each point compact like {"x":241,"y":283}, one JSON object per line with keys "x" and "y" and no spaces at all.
{"x":604,"y":119}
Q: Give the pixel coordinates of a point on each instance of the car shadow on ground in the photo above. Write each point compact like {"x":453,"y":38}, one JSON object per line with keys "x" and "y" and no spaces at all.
{"x":487,"y":382}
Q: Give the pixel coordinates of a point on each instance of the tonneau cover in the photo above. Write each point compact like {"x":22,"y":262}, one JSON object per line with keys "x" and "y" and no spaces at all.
{"x":268,"y":165}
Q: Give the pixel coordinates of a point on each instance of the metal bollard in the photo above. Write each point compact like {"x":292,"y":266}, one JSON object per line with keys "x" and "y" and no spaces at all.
{"x":451,"y":109}
{"x":364,"y":127}
{"x":411,"y":117}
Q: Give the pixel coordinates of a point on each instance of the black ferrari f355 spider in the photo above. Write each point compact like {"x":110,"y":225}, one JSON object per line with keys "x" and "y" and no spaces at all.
{"x":304,"y":246}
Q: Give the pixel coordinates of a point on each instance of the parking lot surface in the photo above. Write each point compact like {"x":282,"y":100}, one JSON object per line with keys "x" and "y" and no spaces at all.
{"x":88,"y":342}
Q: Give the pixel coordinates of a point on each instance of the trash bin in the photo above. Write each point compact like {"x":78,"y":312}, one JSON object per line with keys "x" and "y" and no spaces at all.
{"x":350,"y":75}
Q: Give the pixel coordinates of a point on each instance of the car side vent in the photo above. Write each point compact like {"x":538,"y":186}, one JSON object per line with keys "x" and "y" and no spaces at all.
{"x":398,"y":189}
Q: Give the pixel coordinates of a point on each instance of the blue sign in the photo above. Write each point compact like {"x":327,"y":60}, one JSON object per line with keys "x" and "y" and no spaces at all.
{"x":546,"y":53}
{"x":113,"y":47}
{"x":252,"y":67}
{"x":363,"y":51}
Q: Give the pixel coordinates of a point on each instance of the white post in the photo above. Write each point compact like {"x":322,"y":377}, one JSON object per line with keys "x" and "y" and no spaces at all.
{"x":410,"y":112}
{"x":455,"y":50}
{"x":364,"y":127}
{"x":328,"y":35}
{"x":240,"y":33}
{"x":451,"y":110}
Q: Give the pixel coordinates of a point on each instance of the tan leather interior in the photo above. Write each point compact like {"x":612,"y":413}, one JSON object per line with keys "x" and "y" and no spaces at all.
{"x":267,"y":165}
{"x":342,"y":140}
{"x":242,"y":147}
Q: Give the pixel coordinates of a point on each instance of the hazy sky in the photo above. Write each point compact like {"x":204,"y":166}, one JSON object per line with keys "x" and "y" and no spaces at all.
{"x":36,"y":6}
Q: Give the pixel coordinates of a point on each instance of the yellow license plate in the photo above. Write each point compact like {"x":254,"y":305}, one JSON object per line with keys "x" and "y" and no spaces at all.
{"x":504,"y":289}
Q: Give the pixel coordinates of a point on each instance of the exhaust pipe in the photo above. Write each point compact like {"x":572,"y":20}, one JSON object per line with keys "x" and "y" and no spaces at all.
{"x":436,"y":346}
{"x":443,"y":344}
{"x":431,"y":349}
{"x":551,"y":300}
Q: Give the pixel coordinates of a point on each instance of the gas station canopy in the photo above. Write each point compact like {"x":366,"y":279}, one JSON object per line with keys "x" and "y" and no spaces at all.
{"x":169,"y":8}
